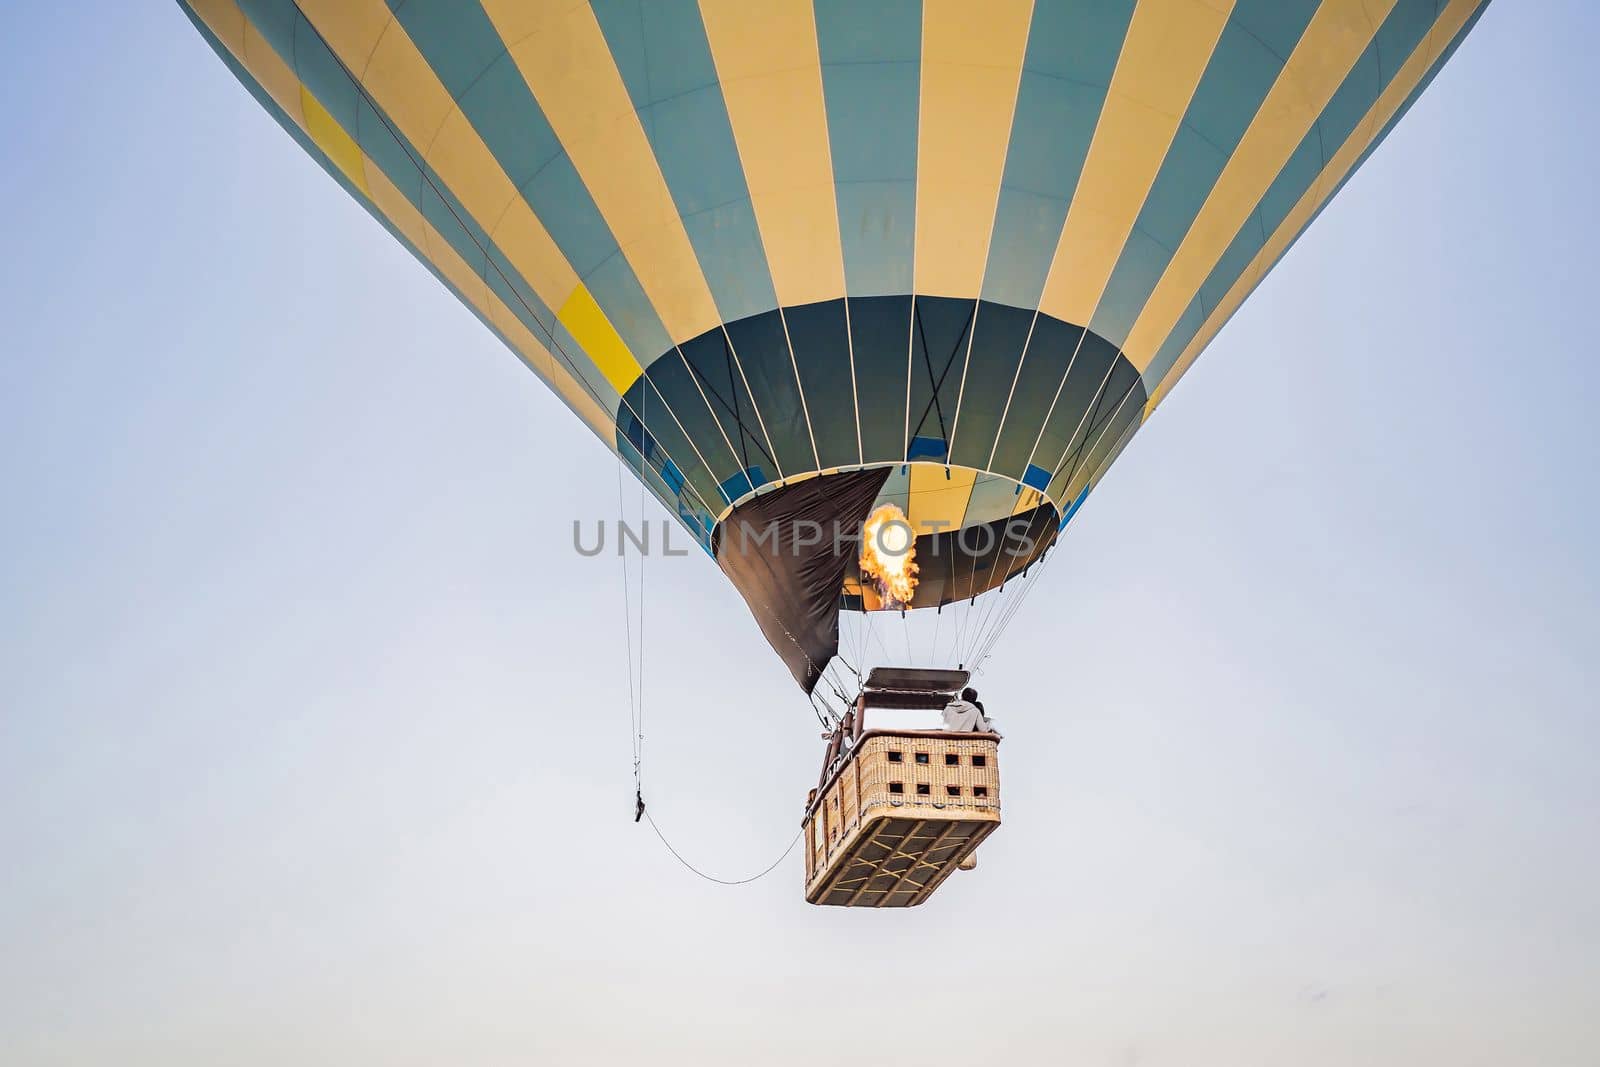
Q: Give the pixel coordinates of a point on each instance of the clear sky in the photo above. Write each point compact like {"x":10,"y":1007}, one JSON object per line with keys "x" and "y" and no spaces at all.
{"x":314,"y":730}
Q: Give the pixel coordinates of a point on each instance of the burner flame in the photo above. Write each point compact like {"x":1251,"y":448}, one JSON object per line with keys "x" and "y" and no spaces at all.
{"x":889,"y":555}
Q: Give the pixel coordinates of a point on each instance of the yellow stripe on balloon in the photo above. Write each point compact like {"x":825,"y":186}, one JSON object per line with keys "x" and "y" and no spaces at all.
{"x":972,"y":58}
{"x":767,"y":61}
{"x":563,"y":56}
{"x":1449,"y":25}
{"x":938,"y":502}
{"x":589,"y":326}
{"x":336,"y":144}
{"x":1337,"y":35}
{"x":1027,"y":500}
{"x":1168,"y":45}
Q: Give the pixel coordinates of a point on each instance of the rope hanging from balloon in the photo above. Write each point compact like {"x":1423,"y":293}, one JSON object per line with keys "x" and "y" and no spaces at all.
{"x":713,"y":878}
{"x":635,"y":665}
{"x":634,"y":642}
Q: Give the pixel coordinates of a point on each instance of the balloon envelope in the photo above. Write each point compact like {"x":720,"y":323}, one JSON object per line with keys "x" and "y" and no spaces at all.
{"x":752,"y":241}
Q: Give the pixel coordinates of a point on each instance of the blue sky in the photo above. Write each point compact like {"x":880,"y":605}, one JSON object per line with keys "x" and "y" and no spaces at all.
{"x":313,"y":729}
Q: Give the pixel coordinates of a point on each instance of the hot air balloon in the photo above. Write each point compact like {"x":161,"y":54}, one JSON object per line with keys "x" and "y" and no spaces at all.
{"x":800,"y":261}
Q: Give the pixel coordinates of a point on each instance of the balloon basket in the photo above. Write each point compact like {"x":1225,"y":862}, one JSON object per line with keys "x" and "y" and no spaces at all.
{"x":898,"y":811}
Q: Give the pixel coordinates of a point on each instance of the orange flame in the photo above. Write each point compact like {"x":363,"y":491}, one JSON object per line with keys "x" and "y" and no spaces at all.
{"x":889,"y":554}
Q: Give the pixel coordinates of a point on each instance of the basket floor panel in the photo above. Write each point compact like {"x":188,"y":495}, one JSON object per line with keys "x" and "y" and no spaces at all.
{"x":898,"y":861}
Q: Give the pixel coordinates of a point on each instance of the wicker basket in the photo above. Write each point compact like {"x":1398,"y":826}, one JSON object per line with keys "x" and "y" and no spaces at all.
{"x":897,"y":814}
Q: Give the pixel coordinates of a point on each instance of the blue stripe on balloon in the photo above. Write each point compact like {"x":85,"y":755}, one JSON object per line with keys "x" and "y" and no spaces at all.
{"x":1072,"y":54}
{"x":871,"y":57}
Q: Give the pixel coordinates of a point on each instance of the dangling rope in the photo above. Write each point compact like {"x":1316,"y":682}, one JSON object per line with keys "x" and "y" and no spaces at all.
{"x":638,"y":767}
{"x":636,"y":701}
{"x":712,"y":878}
{"x":635,"y":726}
